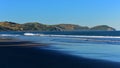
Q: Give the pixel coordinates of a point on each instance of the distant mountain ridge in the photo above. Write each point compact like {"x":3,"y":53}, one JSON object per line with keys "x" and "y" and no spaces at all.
{"x":35,"y":26}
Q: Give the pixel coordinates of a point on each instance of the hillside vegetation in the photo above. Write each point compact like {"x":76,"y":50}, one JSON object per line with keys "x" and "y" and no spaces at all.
{"x":35,"y":26}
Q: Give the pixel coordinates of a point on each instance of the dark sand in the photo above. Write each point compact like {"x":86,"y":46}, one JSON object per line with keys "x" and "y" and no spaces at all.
{"x":29,"y":57}
{"x":16,"y":42}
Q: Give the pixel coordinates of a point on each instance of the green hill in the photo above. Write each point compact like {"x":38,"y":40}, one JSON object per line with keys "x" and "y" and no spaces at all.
{"x":102,"y":27}
{"x":35,"y":26}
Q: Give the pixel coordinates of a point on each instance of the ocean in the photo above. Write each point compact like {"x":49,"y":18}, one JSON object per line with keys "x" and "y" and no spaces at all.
{"x":102,"y":45}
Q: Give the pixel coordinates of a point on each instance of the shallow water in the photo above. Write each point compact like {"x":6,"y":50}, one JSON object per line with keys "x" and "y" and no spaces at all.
{"x":73,"y":46}
{"x":95,"y":47}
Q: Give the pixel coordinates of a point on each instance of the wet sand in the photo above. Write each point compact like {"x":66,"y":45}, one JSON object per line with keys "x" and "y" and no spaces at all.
{"x":29,"y":57}
{"x":17,"y":42}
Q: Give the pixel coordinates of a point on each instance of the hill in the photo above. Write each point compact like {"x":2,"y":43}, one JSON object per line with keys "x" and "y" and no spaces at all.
{"x":36,"y":26}
{"x":102,"y":27}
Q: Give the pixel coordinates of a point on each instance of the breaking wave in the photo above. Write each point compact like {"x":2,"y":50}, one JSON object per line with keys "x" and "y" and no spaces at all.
{"x":9,"y":35}
{"x":81,"y":36}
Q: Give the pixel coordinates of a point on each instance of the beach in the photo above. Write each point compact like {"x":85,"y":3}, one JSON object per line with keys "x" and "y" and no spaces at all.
{"x":59,"y":34}
{"x":18,"y":55}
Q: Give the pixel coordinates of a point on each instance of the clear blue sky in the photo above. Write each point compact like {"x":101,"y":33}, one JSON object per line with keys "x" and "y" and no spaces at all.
{"x":82,"y":12}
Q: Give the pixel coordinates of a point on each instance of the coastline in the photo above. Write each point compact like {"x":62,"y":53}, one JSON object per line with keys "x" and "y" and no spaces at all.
{"x":19,"y":55}
{"x":16,"y":42}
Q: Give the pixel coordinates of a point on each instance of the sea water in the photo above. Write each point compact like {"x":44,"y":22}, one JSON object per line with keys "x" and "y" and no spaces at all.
{"x":103,"y":45}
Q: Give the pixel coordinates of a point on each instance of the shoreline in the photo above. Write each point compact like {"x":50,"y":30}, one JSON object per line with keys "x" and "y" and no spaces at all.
{"x":20,"y":55}
{"x":17,"y":42}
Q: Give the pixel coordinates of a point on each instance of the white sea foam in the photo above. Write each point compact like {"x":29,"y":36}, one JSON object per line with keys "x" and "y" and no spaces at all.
{"x":74,"y":36}
{"x":9,"y":35}
{"x":33,"y":34}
